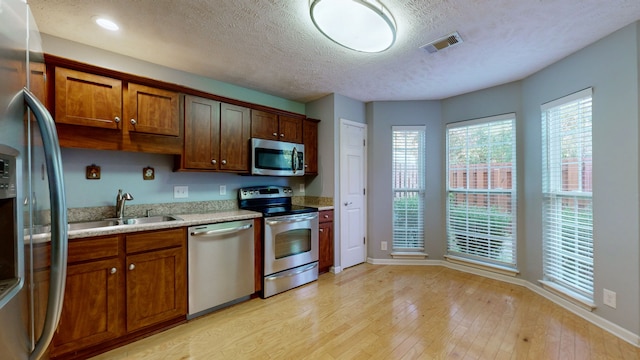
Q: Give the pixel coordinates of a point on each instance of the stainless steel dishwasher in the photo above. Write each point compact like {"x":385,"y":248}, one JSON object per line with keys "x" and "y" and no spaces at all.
{"x":221,"y":265}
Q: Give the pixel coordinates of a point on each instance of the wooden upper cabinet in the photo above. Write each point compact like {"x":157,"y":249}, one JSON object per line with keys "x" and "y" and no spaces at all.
{"x":235,"y":132}
{"x":216,"y":135}
{"x":87,"y":99}
{"x":152,"y":111}
{"x":265,"y":125}
{"x":310,"y":141}
{"x":202,"y":131}
{"x":290,"y":129}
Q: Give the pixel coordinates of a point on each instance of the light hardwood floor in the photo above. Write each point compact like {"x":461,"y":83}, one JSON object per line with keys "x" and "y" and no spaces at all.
{"x":388,"y":312}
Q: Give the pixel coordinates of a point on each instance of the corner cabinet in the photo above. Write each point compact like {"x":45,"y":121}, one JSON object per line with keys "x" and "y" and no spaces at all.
{"x":216,"y":136}
{"x":325,"y":240}
{"x":310,"y":141}
{"x":102,"y":112}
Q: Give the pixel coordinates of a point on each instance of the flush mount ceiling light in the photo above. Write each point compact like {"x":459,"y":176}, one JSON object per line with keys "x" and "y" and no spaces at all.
{"x":105,"y":23}
{"x":361,"y":25}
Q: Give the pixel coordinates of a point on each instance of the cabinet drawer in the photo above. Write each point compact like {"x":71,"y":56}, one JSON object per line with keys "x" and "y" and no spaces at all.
{"x":92,"y":249}
{"x":326,"y":216}
{"x":154,"y":240}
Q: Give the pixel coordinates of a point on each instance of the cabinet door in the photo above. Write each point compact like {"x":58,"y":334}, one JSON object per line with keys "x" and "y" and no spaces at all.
{"x":202,"y":133}
{"x":264,"y":125}
{"x":156,"y":287}
{"x":325,"y":247}
{"x":290,"y":129}
{"x":87,"y":99}
{"x":152,"y":111}
{"x":310,"y":141}
{"x":90,"y":309}
{"x":235,"y":126}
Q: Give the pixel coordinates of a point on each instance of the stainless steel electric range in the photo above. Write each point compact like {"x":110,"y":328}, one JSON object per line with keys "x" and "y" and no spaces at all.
{"x":290,"y":237}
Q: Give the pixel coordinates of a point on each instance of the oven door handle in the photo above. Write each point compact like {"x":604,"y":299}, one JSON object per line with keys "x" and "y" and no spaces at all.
{"x":221,"y":231}
{"x":293,"y":273}
{"x":275,"y":222}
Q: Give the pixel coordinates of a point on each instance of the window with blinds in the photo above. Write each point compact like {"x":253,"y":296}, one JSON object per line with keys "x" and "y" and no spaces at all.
{"x":481,"y":190}
{"x":567,"y":193}
{"x":408,"y":171}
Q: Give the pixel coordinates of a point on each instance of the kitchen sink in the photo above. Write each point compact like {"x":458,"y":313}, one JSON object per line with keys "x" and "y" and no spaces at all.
{"x":149,"y":219}
{"x":86,"y":225}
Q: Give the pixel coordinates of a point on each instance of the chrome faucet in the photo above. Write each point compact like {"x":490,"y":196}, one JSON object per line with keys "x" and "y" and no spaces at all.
{"x":120,"y":200}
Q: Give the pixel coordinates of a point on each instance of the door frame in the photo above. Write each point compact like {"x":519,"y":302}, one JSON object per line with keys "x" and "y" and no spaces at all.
{"x":338,"y":250}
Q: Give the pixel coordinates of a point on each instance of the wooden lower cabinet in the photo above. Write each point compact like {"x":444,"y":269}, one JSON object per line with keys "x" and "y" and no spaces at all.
{"x":90,"y":311}
{"x":156,"y":287}
{"x":325,"y":241}
{"x":120,"y":288}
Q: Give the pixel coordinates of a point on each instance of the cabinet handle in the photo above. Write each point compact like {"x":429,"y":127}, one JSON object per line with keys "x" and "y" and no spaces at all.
{"x":306,"y":166}
{"x":326,"y":216}
{"x":116,"y":120}
{"x":223,"y":162}
{"x":132,"y":266}
{"x":275,"y":134}
{"x":133,"y":121}
{"x":281,"y":135}
{"x":113,"y":270}
{"x":213,"y":161}
{"x":321,"y":230}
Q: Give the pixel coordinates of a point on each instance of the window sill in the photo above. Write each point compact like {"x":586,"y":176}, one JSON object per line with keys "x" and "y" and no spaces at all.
{"x":481,"y":265}
{"x":409,"y":255}
{"x":568,"y":295}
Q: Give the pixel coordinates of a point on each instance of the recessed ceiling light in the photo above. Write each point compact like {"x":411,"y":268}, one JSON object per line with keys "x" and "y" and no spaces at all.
{"x":106,"y":23}
{"x":362,"y":25}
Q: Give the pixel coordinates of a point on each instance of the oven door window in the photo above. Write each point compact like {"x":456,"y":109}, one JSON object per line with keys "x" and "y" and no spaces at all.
{"x":292,"y":242}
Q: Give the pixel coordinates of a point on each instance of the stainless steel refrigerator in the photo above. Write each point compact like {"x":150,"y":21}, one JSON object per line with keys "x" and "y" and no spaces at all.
{"x":33,"y":220}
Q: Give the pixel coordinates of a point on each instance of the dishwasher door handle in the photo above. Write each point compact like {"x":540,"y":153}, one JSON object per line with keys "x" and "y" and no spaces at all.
{"x":221,"y":231}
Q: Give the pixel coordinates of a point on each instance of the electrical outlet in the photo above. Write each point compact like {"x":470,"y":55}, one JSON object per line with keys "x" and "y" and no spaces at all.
{"x":180,"y":192}
{"x":383,"y":245}
{"x":609,"y":298}
{"x":223,"y":189}
{"x":302,"y":188}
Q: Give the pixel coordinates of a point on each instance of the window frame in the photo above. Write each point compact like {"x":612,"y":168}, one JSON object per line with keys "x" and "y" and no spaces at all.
{"x":455,"y":229}
{"x":558,"y":219}
{"x":419,"y":191}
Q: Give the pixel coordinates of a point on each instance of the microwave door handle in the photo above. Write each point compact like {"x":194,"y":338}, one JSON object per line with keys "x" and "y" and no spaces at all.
{"x":294,"y":159}
{"x":53,"y":160}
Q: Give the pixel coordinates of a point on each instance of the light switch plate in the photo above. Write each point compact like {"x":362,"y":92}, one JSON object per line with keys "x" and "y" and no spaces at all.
{"x":302,"y":188}
{"x":609,"y":298}
{"x":223,"y":189}
{"x":180,"y":192}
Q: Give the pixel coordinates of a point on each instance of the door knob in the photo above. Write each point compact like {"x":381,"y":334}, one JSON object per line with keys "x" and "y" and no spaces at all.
{"x":348,"y":203}
{"x":214,"y":161}
{"x":132,"y":266}
{"x":117,"y":120}
{"x":133,"y":121}
{"x":223,"y":162}
{"x":113,"y":270}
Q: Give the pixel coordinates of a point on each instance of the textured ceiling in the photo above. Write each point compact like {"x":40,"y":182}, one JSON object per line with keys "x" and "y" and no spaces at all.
{"x":273,"y":47}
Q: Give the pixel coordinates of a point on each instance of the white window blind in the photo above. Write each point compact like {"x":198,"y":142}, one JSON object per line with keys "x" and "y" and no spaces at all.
{"x":567,"y":192}
{"x":481,"y":189}
{"x":408,"y":171}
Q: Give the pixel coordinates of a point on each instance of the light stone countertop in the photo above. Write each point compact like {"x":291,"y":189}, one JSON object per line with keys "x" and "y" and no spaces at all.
{"x":187,"y":220}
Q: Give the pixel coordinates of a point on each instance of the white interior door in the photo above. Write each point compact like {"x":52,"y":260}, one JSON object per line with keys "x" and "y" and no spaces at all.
{"x":352,"y":192}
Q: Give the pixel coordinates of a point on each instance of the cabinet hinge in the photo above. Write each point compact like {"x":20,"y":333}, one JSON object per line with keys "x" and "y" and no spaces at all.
{"x":364,"y":191}
{"x":364,"y":142}
{"x":45,"y":77}
{"x":364,"y":240}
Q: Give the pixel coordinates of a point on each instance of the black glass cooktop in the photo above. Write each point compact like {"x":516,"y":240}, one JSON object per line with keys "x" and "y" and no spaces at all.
{"x":279,"y":210}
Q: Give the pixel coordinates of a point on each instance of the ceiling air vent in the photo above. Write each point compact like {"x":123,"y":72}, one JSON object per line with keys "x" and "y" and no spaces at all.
{"x":443,"y":43}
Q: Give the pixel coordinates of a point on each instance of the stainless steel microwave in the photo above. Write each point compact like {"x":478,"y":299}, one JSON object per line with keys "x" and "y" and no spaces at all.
{"x":276,"y":158}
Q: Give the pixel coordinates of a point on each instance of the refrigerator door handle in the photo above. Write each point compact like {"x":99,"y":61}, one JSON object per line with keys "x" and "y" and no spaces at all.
{"x":53,"y":160}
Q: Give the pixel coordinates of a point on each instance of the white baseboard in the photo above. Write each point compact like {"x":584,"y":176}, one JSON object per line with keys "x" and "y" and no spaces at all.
{"x":622,"y":333}
{"x":335,"y":269}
